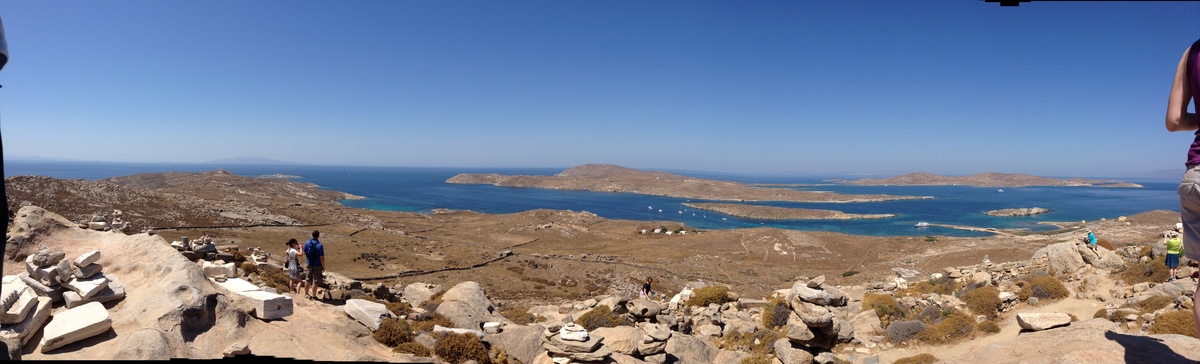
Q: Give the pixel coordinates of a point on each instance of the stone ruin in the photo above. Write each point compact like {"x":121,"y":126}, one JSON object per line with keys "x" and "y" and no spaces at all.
{"x":51,"y":280}
{"x":100,"y":222}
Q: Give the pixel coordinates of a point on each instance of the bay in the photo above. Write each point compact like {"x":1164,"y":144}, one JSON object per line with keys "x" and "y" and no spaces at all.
{"x":424,"y":190}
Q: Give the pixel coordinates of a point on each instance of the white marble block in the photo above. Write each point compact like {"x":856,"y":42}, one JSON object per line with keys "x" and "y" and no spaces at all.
{"x":33,"y":321}
{"x":86,"y":271}
{"x":88,"y":258}
{"x":366,"y":312}
{"x":75,"y":324}
{"x":20,"y":308}
{"x":87,"y":287}
{"x":269,"y":306}
{"x":236,"y":285}
{"x":226,"y":270}
{"x":54,"y":292}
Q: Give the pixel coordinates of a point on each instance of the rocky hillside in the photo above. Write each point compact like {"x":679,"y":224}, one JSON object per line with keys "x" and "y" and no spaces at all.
{"x":1063,"y":304}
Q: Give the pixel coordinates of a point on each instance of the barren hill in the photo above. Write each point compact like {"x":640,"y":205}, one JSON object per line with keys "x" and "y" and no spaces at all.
{"x":610,"y":178}
{"x":987,"y":180}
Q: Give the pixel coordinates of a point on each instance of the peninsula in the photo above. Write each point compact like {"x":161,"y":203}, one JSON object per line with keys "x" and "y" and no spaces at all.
{"x":985,"y":180}
{"x":781,"y":213}
{"x":612,"y":178}
{"x":1019,"y":212}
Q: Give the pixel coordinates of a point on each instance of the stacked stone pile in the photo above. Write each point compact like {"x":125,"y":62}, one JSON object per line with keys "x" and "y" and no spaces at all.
{"x":645,"y":341}
{"x":811,"y":324}
{"x":572,"y":343}
{"x":49,"y":278}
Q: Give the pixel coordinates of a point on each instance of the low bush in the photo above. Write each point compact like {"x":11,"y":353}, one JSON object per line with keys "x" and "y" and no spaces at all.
{"x":249,"y":268}
{"x":705,"y":296}
{"x":757,"y":342}
{"x":427,"y":322}
{"x":598,"y":317}
{"x":1152,"y":303}
{"x":918,"y":359}
{"x":1101,"y":313}
{"x":275,"y":278}
{"x":458,"y":348}
{"x":885,"y":307}
{"x":901,"y":331}
{"x":775,"y":313}
{"x":984,"y":301}
{"x":943,"y":286}
{"x":757,"y":359}
{"x":929,"y":315}
{"x":956,"y":326}
{"x":989,"y":326}
{"x":1104,"y":243}
{"x":1153,"y":270}
{"x":1175,"y":322}
{"x":519,"y":315}
{"x":849,"y":273}
{"x":1044,"y":287}
{"x":393,"y":332}
{"x":413,"y":348}
{"x":397,"y":308}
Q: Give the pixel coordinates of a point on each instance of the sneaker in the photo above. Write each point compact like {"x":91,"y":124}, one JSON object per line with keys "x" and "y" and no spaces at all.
{"x":1196,"y":274}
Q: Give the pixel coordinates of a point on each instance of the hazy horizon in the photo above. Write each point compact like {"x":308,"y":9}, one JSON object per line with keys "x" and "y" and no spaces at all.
{"x":769,"y":88}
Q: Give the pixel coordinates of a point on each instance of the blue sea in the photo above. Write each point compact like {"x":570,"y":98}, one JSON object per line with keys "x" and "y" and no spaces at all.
{"x":425,"y":189}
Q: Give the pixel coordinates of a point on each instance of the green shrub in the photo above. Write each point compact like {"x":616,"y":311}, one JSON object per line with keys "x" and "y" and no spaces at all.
{"x":393,"y":332}
{"x":901,"y":331}
{"x":984,"y":301}
{"x":989,"y":326}
{"x":956,"y":326}
{"x":458,"y":348}
{"x":1175,"y":322}
{"x":1045,"y":287}
{"x":598,"y":317}
{"x":413,"y":348}
{"x":942,"y":286}
{"x":918,"y":359}
{"x":705,"y":296}
{"x":430,"y":321}
{"x":775,"y":313}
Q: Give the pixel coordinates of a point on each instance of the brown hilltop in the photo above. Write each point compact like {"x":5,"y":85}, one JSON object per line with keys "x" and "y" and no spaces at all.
{"x":611,"y":178}
{"x":991,"y":179}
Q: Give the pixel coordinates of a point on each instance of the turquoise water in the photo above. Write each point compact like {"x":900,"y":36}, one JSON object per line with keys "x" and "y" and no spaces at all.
{"x":424,"y":189}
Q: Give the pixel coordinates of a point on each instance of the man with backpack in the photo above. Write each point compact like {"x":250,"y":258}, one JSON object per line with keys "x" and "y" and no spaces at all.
{"x":315,"y":253}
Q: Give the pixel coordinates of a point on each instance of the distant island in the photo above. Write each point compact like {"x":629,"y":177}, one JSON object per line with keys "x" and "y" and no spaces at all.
{"x":985,"y":180}
{"x":781,"y":213}
{"x":1019,"y":212}
{"x":612,"y":178}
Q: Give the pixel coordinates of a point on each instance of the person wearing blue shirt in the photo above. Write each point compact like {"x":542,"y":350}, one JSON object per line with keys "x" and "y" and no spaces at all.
{"x":1092,"y":243}
{"x":315,"y":253}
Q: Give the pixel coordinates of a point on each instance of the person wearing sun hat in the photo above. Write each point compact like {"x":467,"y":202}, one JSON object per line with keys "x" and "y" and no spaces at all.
{"x":1174,"y":250}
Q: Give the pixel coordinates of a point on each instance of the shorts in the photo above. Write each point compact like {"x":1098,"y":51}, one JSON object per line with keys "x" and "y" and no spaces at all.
{"x":1189,"y":212}
{"x":295,"y":274}
{"x":1172,"y":260}
{"x":313,"y":274}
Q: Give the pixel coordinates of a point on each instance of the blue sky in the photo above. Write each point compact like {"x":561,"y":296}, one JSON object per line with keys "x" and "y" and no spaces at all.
{"x":845,"y":87}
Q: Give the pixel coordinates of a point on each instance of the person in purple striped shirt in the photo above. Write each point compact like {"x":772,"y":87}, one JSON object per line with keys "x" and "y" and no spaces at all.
{"x":1184,"y":90}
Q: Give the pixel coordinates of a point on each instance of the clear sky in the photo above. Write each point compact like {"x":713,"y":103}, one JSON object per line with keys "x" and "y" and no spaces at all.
{"x":952,"y":87}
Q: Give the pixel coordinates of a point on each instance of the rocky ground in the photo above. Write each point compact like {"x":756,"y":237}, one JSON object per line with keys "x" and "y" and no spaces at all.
{"x":553,"y":262}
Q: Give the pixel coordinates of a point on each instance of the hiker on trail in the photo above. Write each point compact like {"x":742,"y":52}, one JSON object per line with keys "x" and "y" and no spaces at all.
{"x":645,"y":294}
{"x":1092,"y":243}
{"x":1185,"y":89}
{"x":293,"y":265}
{"x":315,"y":252}
{"x":1174,"y":249}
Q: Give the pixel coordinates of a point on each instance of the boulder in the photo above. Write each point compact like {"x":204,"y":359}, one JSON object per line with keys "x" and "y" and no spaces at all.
{"x":144,"y":344}
{"x":689,"y":349}
{"x":87,"y":258}
{"x":1061,"y":257}
{"x":1042,"y":321}
{"x":370,"y":314}
{"x":787,"y":354}
{"x":867,"y":323}
{"x":47,"y":257}
{"x":418,"y":293}
{"x":33,"y":321}
{"x":801,"y":292}
{"x":621,"y":339}
{"x":467,"y":307}
{"x":643,"y":308}
{"x":520,"y":342}
{"x":75,"y":324}
{"x":813,"y":315}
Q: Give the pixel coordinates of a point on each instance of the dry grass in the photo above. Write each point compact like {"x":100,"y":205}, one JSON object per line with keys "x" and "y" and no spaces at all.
{"x":459,"y":348}
{"x":519,"y":315}
{"x":956,"y":326}
{"x":598,"y":317}
{"x":393,"y":332}
{"x":1154,"y":270}
{"x":1175,"y":322}
{"x":885,"y":307}
{"x":1043,"y":287}
{"x":433,"y":319}
{"x":746,"y":341}
{"x":918,"y":359}
{"x":775,"y":313}
{"x":943,"y":286}
{"x":984,"y":301}
{"x":704,"y":296}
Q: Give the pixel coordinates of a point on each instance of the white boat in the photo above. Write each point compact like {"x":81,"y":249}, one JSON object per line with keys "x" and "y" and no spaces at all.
{"x":921,"y":224}
{"x":999,"y":190}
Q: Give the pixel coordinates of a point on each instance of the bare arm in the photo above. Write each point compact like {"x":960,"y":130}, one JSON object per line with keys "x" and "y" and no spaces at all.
{"x":1178,"y":119}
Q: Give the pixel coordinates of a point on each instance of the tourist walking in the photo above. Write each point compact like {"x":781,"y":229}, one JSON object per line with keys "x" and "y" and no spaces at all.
{"x":1183,"y":91}
{"x":1174,"y":249}
{"x":1093,"y":244}
{"x":314,"y":252}
{"x":293,"y":265}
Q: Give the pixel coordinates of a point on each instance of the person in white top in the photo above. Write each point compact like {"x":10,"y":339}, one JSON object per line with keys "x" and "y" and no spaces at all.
{"x":293,"y":265}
